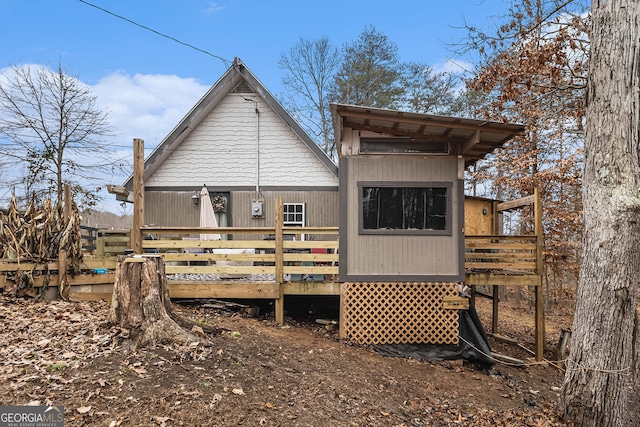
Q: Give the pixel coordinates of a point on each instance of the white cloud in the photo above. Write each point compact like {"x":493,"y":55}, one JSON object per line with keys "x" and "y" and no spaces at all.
{"x":453,"y":66}
{"x":213,"y":8}
{"x":146,"y":106}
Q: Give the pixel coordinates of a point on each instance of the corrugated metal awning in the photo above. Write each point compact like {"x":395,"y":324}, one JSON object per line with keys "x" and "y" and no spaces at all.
{"x":472,"y":138}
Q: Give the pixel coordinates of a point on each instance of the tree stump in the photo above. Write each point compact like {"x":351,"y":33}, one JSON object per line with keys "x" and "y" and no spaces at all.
{"x":141,"y":304}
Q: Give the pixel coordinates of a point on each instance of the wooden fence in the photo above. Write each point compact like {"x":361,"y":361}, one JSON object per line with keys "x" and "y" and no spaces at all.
{"x":89,"y":236}
{"x":514,"y":254}
{"x":95,"y":280}
{"x":265,"y":254}
{"x":112,"y":242}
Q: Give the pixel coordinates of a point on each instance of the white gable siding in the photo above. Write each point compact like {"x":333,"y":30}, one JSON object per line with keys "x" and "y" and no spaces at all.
{"x":221,"y":151}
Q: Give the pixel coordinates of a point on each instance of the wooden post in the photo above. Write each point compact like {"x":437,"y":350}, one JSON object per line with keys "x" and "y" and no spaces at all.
{"x":99,"y":245}
{"x":138,"y":195}
{"x":342,"y":330}
{"x":539,"y":299}
{"x":473,"y":295}
{"x":279,"y":260}
{"x":63,"y":283}
{"x":497,"y":230}
{"x":494,"y":316}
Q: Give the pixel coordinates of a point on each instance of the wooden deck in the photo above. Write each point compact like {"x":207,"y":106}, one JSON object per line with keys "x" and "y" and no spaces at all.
{"x":287,"y":267}
{"x":489,"y":260}
{"x":272,"y":262}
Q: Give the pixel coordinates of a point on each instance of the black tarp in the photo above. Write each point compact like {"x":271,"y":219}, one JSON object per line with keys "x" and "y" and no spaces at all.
{"x":473,"y":345}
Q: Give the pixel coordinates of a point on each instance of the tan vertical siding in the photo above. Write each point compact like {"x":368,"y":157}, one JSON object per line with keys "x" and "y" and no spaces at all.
{"x":401,"y":254}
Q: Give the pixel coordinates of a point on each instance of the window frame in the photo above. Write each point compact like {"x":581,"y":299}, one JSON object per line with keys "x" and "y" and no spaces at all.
{"x":447,"y":231}
{"x":402,"y":146}
{"x":302,"y":223}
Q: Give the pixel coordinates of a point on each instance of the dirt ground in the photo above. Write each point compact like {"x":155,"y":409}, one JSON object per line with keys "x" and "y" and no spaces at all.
{"x":257,"y":373}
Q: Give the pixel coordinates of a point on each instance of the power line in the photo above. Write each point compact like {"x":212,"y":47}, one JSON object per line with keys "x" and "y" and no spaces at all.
{"x":226,"y":62}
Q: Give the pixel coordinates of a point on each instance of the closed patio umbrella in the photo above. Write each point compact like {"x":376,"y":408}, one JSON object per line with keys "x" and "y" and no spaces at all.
{"x":207,"y":216}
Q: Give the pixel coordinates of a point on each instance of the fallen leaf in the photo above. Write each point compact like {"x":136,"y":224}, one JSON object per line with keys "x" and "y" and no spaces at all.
{"x":161,"y":420}
{"x":238,"y":391}
{"x":197,"y":331}
{"x":83,"y":409}
{"x":270,"y":405}
{"x":216,"y":398}
{"x":140,"y":371}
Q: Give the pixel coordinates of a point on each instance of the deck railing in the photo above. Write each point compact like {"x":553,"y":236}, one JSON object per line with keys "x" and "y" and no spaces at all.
{"x":507,"y":254}
{"x":246,"y":251}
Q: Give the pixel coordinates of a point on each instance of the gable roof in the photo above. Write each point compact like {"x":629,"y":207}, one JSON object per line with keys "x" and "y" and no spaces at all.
{"x":238,"y":74}
{"x":476,"y":138}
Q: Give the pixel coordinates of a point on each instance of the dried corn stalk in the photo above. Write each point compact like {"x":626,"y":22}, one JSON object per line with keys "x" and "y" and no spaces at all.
{"x":37,"y":236}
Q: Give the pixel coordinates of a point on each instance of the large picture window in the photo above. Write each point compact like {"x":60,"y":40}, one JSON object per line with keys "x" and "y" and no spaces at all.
{"x":405,"y":208}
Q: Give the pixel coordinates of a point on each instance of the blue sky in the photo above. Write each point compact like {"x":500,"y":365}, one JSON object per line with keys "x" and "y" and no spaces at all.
{"x":149,"y":82}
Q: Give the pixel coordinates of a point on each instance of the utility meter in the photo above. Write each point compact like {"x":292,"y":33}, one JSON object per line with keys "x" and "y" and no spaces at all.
{"x":256,"y":208}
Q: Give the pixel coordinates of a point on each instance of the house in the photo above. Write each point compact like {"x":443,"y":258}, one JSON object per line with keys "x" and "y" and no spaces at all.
{"x":241,"y":143}
{"x":403,"y":251}
{"x":402,"y":219}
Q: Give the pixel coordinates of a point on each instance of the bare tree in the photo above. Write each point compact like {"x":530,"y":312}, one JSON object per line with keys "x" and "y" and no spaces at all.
{"x":51,"y":130}
{"x":533,"y":68}
{"x":309,"y":67}
{"x":596,"y":388}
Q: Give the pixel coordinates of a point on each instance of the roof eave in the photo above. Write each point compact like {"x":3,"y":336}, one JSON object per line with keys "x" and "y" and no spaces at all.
{"x":207,"y":103}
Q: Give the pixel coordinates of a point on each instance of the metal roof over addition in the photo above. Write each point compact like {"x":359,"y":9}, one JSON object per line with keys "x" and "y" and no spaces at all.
{"x":473,"y":138}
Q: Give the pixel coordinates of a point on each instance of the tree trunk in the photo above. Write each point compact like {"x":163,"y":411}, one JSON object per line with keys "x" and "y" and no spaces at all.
{"x":596,"y":388}
{"x":141,"y":304}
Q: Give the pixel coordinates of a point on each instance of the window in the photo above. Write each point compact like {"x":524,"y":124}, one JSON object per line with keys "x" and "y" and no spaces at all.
{"x":294,"y":216}
{"x":405,"y":208}
{"x":401,"y":146}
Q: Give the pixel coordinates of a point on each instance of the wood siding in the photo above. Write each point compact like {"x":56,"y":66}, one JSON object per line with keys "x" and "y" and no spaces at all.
{"x":479,"y":217}
{"x":223,"y":151}
{"x":401,"y":255}
{"x":174,"y":208}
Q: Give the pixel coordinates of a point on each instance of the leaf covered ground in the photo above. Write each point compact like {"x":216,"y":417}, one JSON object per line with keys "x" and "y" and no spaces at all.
{"x":254,"y":373}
